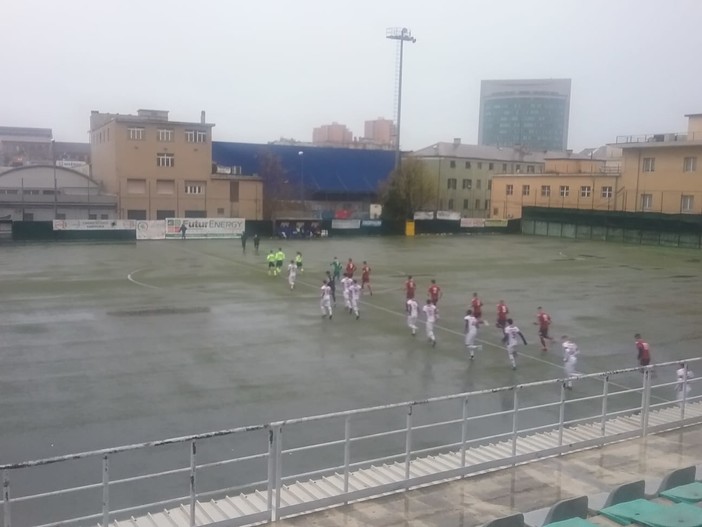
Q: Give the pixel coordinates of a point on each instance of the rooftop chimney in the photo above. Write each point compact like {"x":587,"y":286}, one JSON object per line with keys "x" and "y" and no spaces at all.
{"x":456,"y":141}
{"x":202,"y":117}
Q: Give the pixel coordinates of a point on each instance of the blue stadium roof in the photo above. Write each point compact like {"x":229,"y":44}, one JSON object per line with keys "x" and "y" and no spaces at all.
{"x":325,"y":170}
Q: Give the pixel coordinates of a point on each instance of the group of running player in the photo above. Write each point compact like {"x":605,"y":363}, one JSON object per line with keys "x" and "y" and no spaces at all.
{"x":351,"y":289}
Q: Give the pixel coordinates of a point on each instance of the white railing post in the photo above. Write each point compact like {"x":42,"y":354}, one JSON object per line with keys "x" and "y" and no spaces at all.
{"x":605,"y":394}
{"x":7,"y":520}
{"x":684,"y":393}
{"x":408,"y":442}
{"x":464,"y":432}
{"x":645,"y":400}
{"x":105,"y":491}
{"x":515,"y":421}
{"x":278,"y":468}
{"x":347,"y":452}
{"x":193,"y":494}
{"x":561,"y":414}
{"x":271,"y":472}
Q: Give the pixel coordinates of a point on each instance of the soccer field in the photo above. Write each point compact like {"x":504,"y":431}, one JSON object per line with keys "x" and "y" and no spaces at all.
{"x":105,"y":345}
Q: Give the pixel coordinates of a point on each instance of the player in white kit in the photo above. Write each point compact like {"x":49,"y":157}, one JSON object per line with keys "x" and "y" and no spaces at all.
{"x":292,"y":274}
{"x":682,"y":388}
{"x":355,"y":294}
{"x":511,"y":334}
{"x":570,"y":358}
{"x":432,"y":313}
{"x":346,"y":283}
{"x":412,"y":314}
{"x":325,"y":301}
{"x":471,"y":331}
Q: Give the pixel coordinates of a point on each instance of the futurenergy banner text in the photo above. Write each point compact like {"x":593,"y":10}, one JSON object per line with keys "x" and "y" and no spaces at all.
{"x":205,"y":228}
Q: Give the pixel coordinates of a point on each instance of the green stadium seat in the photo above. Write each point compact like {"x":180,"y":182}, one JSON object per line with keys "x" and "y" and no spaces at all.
{"x":572,"y":522}
{"x":678,"y":515}
{"x":690,"y":493}
{"x":631,"y":511}
{"x":515,"y":520}
{"x":676,"y":478}
{"x":566,"y":510}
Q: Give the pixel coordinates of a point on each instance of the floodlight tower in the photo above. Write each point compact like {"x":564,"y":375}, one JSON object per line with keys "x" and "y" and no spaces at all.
{"x":402,"y":35}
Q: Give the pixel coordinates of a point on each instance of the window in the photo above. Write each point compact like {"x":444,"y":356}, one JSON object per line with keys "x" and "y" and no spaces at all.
{"x":195,"y":213}
{"x":478,"y":183}
{"x":585,"y":191}
{"x":465,"y":204}
{"x":165,"y":135}
{"x":234,"y":191}
{"x":687,"y":203}
{"x":197,"y":187}
{"x":467,"y":184}
{"x":509,"y":190}
{"x":565,"y":191}
{"x":165,"y":186}
{"x":480,"y":166}
{"x":135,"y":134}
{"x":495,"y":212}
{"x":165,"y":160}
{"x":450,"y":204}
{"x":105,"y":216}
{"x":489,"y":184}
{"x":48,"y":192}
{"x":468,"y":164}
{"x":136,"y":186}
{"x":518,"y":168}
{"x":195,"y":136}
{"x":451,"y":183}
{"x":452,"y":164}
{"x":649,"y":164}
{"x":220,"y":211}
{"x":164,"y":214}
{"x":477,"y":204}
{"x":526,"y":189}
{"x":545,"y":191}
{"x":491,"y":166}
{"x":60,"y":216}
{"x":30,"y":192}
{"x":607,"y":192}
{"x":504,"y":168}
{"x":530,"y":169}
{"x":136,"y":214}
{"x":92,"y":216}
{"x":646,"y":201}
{"x":690,"y":164}
{"x":487,"y":204}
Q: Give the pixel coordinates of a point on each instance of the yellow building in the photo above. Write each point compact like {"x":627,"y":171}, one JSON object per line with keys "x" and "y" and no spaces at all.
{"x":661,"y":172}
{"x":568,"y":181}
{"x":163,"y":169}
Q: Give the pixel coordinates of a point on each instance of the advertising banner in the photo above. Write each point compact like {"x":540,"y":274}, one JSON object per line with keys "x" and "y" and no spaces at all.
{"x":473,"y":222}
{"x":371,"y":223}
{"x":205,"y":228}
{"x":496,"y":223}
{"x":423,"y":215}
{"x":448,"y":215}
{"x":346,"y":224}
{"x":94,"y":225}
{"x":151,"y":230}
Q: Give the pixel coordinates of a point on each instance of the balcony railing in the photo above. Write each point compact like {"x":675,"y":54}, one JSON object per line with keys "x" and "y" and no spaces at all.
{"x":683,"y":137}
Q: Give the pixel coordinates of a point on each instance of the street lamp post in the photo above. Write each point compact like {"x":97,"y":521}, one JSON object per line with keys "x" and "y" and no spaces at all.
{"x":301,"y":155}
{"x":402,"y":35}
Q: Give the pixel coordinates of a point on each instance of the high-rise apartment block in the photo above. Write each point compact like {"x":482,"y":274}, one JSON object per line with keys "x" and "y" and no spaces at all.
{"x":532,"y":113}
{"x":380,"y":132}
{"x":334,"y":134}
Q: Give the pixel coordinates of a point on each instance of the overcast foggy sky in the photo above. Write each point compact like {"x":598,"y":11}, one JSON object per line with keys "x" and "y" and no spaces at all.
{"x":266,"y":69}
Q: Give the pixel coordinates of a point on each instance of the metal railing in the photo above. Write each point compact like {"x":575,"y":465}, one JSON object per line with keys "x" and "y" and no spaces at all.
{"x":341,"y":443}
{"x":660,"y":138}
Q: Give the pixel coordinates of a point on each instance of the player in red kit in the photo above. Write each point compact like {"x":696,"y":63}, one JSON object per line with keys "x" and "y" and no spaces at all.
{"x":644,"y":352}
{"x":502,"y":312}
{"x":350,"y":268}
{"x":543,"y":320}
{"x":476,"y":306}
{"x":365,"y":277}
{"x":434,"y":292}
{"x":410,"y":287}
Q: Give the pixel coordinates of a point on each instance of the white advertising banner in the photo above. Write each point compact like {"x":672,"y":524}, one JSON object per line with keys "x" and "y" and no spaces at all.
{"x":448,"y":215}
{"x":419,"y":215}
{"x":346,"y":224}
{"x":94,"y":225}
{"x":473,"y":222}
{"x":151,"y":230}
{"x":205,"y":228}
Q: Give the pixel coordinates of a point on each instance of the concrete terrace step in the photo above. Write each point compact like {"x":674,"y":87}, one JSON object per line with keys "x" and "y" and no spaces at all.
{"x":484,"y":458}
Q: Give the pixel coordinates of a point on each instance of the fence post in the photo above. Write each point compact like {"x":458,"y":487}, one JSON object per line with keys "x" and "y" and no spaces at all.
{"x":515,"y":424}
{"x":105,"y":490}
{"x":193,"y":495}
{"x":271,"y":473}
{"x":561,"y":414}
{"x":278,"y":468}
{"x":7,"y":520}
{"x":347,"y":452}
{"x":464,"y":431}
{"x":408,"y":442}
{"x":645,"y":399}
{"x":683,"y":394}
{"x":605,"y":394}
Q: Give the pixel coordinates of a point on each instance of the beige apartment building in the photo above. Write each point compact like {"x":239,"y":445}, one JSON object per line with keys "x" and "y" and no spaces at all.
{"x":163,"y":169}
{"x":568,"y":181}
{"x":333,"y":134}
{"x":380,"y":132}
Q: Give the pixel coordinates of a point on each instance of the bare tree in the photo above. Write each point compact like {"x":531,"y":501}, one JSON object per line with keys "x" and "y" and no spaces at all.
{"x":276,"y":187}
{"x":408,"y":189}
